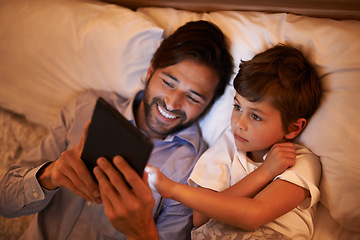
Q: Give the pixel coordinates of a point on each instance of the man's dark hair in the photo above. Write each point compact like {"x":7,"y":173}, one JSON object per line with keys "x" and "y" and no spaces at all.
{"x":202,"y":42}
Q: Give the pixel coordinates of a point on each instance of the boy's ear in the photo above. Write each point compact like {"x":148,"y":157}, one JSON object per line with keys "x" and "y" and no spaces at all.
{"x":296,"y":128}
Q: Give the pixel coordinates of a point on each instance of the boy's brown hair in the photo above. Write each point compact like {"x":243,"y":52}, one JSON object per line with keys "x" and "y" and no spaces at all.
{"x":284,"y":77}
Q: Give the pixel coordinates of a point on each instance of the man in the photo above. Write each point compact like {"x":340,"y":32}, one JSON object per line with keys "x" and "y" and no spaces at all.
{"x":188,"y":73}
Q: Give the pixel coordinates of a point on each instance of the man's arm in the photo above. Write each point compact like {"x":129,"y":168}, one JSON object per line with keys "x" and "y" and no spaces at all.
{"x":21,"y":193}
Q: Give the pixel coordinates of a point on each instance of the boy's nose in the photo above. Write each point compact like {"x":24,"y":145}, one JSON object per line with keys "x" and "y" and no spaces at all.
{"x":241,"y":122}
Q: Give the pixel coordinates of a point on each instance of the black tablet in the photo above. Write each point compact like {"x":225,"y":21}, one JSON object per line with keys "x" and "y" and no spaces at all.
{"x":111,"y":134}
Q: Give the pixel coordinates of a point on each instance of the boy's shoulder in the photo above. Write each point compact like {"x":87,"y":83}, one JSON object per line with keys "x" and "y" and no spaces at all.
{"x":306,"y":160}
{"x":302,"y":149}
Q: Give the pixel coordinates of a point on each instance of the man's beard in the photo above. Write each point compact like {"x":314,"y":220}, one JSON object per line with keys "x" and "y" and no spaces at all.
{"x":159,"y":127}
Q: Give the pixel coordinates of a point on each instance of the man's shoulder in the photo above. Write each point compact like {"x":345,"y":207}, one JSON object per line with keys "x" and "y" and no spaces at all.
{"x":94,"y":94}
{"x":83,"y":104}
{"x":88,"y":98}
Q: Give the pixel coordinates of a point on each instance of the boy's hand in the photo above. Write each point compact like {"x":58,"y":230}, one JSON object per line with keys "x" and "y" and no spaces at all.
{"x":159,"y":182}
{"x":280,"y":157}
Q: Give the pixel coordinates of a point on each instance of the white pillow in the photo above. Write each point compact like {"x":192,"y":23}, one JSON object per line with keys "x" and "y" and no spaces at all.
{"x":170,"y":19}
{"x":52,"y":50}
{"x":333,"y":132}
{"x":248,"y":33}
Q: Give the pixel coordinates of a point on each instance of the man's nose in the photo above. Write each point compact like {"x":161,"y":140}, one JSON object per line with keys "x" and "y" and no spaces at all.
{"x":174,"y":100}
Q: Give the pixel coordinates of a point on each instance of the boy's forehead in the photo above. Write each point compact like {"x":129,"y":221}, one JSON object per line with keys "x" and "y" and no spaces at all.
{"x":263,"y":106}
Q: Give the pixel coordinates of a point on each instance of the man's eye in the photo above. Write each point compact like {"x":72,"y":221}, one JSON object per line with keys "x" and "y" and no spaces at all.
{"x":168,"y":83}
{"x":237,"y":107}
{"x":193,"y":99}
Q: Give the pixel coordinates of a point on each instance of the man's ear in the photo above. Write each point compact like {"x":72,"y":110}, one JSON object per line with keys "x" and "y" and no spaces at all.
{"x":296,"y":128}
{"x":149,"y":73}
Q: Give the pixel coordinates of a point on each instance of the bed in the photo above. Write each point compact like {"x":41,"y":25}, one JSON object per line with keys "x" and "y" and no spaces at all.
{"x":52,"y":50}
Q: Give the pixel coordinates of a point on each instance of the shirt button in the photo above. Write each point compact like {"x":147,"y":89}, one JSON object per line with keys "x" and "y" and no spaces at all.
{"x":88,"y":203}
{"x":35,"y":194}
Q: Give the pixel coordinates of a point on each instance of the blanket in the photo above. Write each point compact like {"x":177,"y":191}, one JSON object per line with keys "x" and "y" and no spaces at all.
{"x":17,"y":136}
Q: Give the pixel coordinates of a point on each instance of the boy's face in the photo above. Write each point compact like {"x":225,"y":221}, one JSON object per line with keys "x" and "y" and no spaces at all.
{"x":176,"y":96}
{"x":256,"y":125}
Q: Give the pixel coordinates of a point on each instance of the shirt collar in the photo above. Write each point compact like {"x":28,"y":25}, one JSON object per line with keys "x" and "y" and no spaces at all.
{"x":133,"y":104}
{"x":191,"y":134}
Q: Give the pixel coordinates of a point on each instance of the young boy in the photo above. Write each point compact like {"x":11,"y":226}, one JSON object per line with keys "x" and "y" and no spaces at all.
{"x":254,"y":178}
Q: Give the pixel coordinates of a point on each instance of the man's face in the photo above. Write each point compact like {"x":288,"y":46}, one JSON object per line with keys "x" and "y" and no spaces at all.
{"x":176,"y":96}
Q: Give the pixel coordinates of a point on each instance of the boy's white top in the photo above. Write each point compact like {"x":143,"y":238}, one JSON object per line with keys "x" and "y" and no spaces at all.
{"x":221,"y":166}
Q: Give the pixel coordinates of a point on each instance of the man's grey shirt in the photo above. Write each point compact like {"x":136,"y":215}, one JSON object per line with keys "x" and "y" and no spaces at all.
{"x":61,"y":214}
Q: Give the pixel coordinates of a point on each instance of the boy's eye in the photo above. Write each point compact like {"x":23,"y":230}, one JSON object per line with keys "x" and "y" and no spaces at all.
{"x":256,"y":117}
{"x":237,"y":107}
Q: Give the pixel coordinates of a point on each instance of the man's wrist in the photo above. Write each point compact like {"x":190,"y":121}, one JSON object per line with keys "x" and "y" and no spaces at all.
{"x":150,"y":233}
{"x":44,"y":176}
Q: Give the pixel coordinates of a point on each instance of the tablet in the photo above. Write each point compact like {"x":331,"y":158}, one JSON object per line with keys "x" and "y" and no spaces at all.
{"x":111,"y":134}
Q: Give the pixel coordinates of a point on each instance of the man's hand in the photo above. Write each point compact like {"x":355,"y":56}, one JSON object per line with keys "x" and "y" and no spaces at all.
{"x":280,"y":157}
{"x":70,"y":171}
{"x":128,"y":209}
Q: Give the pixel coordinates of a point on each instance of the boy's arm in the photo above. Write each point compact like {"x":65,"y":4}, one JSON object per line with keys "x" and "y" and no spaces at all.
{"x":280,"y":157}
{"x":246,"y":201}
{"x":275,"y":200}
{"x":249,"y":186}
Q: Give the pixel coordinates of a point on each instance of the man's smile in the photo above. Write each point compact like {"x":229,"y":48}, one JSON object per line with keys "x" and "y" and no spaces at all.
{"x":165,"y":114}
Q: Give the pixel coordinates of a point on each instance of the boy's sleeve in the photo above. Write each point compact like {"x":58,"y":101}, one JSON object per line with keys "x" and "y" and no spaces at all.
{"x":305,"y":173}
{"x":214,"y":167}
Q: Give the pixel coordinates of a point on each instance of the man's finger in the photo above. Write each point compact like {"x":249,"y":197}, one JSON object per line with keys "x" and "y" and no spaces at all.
{"x":113,"y":176}
{"x":131,"y":176}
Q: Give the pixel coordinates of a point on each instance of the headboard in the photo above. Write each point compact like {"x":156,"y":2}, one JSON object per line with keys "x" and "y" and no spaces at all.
{"x":336,"y":9}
